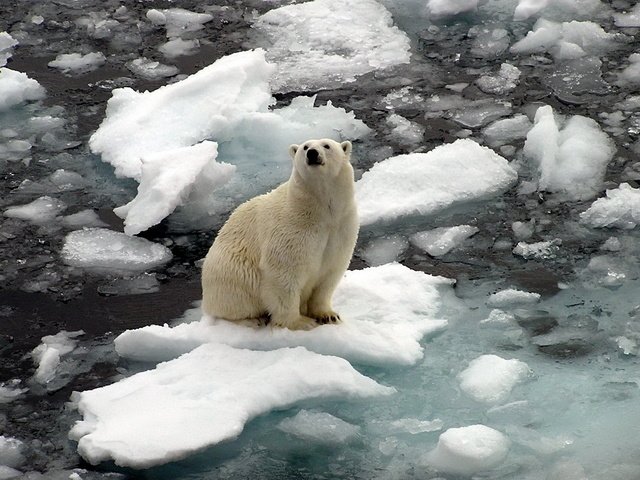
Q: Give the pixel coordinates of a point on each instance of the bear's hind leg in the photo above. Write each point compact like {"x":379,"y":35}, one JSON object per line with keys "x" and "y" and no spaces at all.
{"x":282,"y":302}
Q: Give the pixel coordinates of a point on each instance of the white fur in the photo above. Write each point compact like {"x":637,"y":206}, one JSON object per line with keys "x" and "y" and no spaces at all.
{"x":282,"y":254}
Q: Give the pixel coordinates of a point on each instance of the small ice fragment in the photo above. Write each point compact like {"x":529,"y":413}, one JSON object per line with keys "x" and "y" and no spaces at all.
{"x":319,"y":427}
{"x":150,"y":69}
{"x":17,"y":88}
{"x":11,"y":390}
{"x":504,"y":82}
{"x":177,"y":47}
{"x":405,"y":131}
{"x":78,"y":63}
{"x":442,"y":240}
{"x":499,"y":317}
{"x":41,"y":210}
{"x":384,"y":250}
{"x":11,"y":452}
{"x":490,"y":378}
{"x":542,"y":250}
{"x":511,"y":296}
{"x":612,"y":244}
{"x":7,"y":42}
{"x":47,"y":355}
{"x":619,"y":209}
{"x":442,"y":8}
{"x":83,"y":218}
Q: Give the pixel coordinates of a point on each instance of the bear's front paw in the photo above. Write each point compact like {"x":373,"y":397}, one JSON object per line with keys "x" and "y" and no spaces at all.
{"x":330,"y":317}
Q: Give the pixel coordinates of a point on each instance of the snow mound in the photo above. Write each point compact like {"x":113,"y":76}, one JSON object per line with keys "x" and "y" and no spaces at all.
{"x":319,"y":427}
{"x":41,"y":210}
{"x":469,"y":450}
{"x":7,"y":42}
{"x":47,"y":355}
{"x":325,"y":43}
{"x":203,"y":398}
{"x":619,"y":209}
{"x":442,"y":240}
{"x":166,"y":181}
{"x":572,"y":157}
{"x":228,"y":104}
{"x":78,"y":63}
{"x":425,"y":183}
{"x":17,"y":88}
{"x":380,"y":326}
{"x":101,"y":249}
{"x":490,"y":378}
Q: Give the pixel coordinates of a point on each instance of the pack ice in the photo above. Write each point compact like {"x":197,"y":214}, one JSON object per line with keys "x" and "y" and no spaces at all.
{"x":180,"y":141}
{"x":226,"y":374}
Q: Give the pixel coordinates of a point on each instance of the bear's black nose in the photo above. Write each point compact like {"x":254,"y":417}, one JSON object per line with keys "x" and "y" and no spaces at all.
{"x":313,"y":157}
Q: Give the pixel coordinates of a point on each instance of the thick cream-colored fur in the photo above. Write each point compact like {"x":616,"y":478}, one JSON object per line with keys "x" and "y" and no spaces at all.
{"x":282,"y":254}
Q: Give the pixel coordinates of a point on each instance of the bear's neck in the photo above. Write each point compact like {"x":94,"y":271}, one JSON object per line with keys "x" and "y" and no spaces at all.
{"x":330,"y":199}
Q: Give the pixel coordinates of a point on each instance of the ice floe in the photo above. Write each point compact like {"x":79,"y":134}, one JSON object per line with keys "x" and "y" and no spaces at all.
{"x":442,"y":240}
{"x":319,"y":427}
{"x":379,"y":327}
{"x":17,"y":88}
{"x":490,"y":378}
{"x":619,"y":209}
{"x":571,"y":157}
{"x":312,"y":53}
{"x":103,"y":250}
{"x":503,"y":82}
{"x":78,"y":63}
{"x":425,"y":183}
{"x":205,"y":397}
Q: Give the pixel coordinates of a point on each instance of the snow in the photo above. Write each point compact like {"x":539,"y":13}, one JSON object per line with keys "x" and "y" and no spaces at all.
{"x":441,"y":8}
{"x":571,"y":156}
{"x":319,"y":427}
{"x":379,"y":326}
{"x":490,"y":378}
{"x":11,"y":452}
{"x":384,"y":250}
{"x":565,"y":41}
{"x":41,"y":210}
{"x":105,"y":250}
{"x":47,"y":355}
{"x":78,"y":63}
{"x":7,"y":42}
{"x":512,"y":296}
{"x":226,"y":103}
{"x":505,"y":81}
{"x":17,"y":88}
{"x":427,"y":183}
{"x":442,"y":240}
{"x":542,"y":250}
{"x":166,"y":181}
{"x":312,"y":53}
{"x":628,"y":19}
{"x":619,"y":209}
{"x":469,"y":450}
{"x":205,"y":397}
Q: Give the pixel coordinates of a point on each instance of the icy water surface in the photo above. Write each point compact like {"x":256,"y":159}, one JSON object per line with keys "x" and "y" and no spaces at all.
{"x":534,"y":375}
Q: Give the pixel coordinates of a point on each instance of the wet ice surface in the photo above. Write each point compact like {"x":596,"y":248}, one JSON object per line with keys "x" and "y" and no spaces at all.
{"x":542,"y":327}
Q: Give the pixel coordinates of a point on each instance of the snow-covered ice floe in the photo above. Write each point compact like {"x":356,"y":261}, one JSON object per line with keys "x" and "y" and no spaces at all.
{"x":380,"y":325}
{"x":619,"y":209}
{"x":311,"y":52}
{"x":425,"y":183}
{"x":203,"y":398}
{"x":226,"y":104}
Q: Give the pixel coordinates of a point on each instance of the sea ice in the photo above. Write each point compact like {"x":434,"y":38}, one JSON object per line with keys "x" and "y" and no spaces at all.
{"x":542,"y":250}
{"x":512,"y":296}
{"x":405,"y":131}
{"x":507,"y":130}
{"x":11,"y":390}
{"x":380,"y":326}
{"x":204,"y":397}
{"x":178,"y":47}
{"x":312,"y":53}
{"x":47,"y":355}
{"x":425,"y":183}
{"x":504,"y":82}
{"x":469,"y":450}
{"x":166,"y":181}
{"x":178,"y":21}
{"x":524,"y":230}
{"x":442,"y":240}
{"x":7,"y":42}
{"x":17,"y":88}
{"x":619,"y":209}
{"x":442,"y":8}
{"x":151,"y":69}
{"x":631,"y":74}
{"x":572,"y":157}
{"x":319,"y":427}
{"x":490,"y":378}
{"x":100,"y":249}
{"x":629,"y":19}
{"x":11,"y":452}
{"x":41,"y":210}
{"x":83,"y":218}
{"x":384,"y":250}
{"x":78,"y":63}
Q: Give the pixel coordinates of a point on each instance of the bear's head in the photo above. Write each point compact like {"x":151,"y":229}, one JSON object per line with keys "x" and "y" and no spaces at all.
{"x":321,"y":157}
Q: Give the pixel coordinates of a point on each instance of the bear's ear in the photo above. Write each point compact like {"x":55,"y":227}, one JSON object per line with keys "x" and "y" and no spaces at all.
{"x":292,"y":150}
{"x":346,"y":148}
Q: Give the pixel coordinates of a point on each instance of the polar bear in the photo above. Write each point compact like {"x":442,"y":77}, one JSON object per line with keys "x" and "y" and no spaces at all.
{"x":281,"y":255}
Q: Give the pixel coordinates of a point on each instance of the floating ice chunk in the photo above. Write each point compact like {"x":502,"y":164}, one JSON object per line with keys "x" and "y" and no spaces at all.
{"x":47,"y":355}
{"x":629,"y":19}
{"x":7,"y":42}
{"x":178,"y":47}
{"x":481,"y":112}
{"x":204,"y":397}
{"x":151,"y":69}
{"x":612,"y":244}
{"x":490,"y":378}
{"x":442,"y":240}
{"x":504,"y":82}
{"x":11,"y":452}
{"x":178,"y":21}
{"x":527,"y":8}
{"x":17,"y":88}
{"x":78,"y":63}
{"x":413,"y":426}
{"x":524,"y":230}
{"x":442,"y":8}
{"x":83,"y":218}
{"x":405,"y":131}
{"x":631,"y":74}
{"x":380,"y":325}
{"x":156,"y":17}
{"x":319,"y":427}
{"x":489,"y":42}
{"x":105,"y":250}
{"x":425,"y":183}
{"x":499,"y":317}
{"x":312,"y":53}
{"x":571,"y":160}
{"x":542,"y":250}
{"x":41,"y":210}
{"x":469,"y":450}
{"x":65,"y":180}
{"x":11,"y":390}
{"x":384,"y":250}
{"x":167,"y":180}
{"x":619,"y":209}
{"x":511,"y":296}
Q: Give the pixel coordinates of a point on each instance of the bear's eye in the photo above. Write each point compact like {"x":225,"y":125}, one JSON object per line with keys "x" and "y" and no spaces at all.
{"x":326,"y":146}
{"x":305,"y":147}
